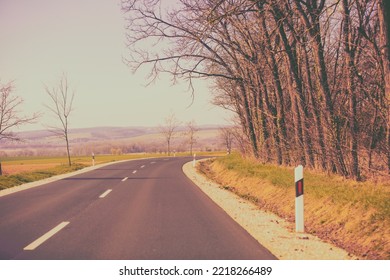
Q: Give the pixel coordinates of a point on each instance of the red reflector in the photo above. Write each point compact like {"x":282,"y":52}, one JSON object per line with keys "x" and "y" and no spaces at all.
{"x":300,"y":187}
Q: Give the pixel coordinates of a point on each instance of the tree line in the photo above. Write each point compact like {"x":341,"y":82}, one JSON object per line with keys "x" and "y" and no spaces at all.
{"x":307,"y":80}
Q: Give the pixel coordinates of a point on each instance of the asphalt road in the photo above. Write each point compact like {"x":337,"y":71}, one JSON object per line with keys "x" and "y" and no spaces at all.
{"x":143,"y":209}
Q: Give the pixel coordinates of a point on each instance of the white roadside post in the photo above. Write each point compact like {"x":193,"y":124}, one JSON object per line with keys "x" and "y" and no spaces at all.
{"x":299,"y":218}
{"x":193,"y":162}
{"x":93,"y":159}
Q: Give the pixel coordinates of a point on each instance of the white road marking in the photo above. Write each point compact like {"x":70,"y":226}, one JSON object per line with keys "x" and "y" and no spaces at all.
{"x":105,"y":193}
{"x":45,"y":237}
{"x":142,"y":166}
{"x":166,"y":159}
{"x":135,"y":171}
{"x":153,"y":162}
{"x":124,"y":179}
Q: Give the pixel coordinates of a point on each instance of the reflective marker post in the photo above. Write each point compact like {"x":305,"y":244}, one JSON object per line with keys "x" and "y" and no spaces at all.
{"x":299,"y":218}
{"x":93,"y":159}
{"x":193,"y":163}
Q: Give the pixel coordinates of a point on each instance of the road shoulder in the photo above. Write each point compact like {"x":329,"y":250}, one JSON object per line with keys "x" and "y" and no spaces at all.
{"x":267,"y":228}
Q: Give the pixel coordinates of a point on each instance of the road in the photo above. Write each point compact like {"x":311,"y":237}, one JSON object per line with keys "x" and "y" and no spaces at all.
{"x":143,"y":209}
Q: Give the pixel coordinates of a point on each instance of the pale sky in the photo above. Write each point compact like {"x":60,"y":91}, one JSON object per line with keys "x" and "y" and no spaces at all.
{"x":41,"y":39}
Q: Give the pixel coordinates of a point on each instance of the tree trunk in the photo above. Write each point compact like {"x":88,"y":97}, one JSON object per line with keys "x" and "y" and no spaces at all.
{"x":273,"y":112}
{"x":312,"y":22}
{"x":68,"y":150}
{"x":384,"y":38}
{"x":351,"y":93}
{"x":280,"y":121}
{"x":263,"y":118}
{"x":249,"y":120}
{"x":299,"y":103}
{"x":315,"y":111}
{"x":373,"y":139}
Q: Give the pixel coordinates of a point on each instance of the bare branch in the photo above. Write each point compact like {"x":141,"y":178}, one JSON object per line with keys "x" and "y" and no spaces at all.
{"x":10,"y":117}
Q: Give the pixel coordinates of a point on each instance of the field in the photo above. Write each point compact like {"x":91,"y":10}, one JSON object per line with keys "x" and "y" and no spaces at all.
{"x":351,"y":215}
{"x":19,"y":170}
{"x":16,"y":165}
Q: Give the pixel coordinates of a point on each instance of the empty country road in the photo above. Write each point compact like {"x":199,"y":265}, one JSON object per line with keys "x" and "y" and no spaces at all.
{"x":142,"y":209}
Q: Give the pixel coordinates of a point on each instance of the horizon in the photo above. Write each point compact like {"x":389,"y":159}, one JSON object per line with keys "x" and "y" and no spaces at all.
{"x":201,"y":126}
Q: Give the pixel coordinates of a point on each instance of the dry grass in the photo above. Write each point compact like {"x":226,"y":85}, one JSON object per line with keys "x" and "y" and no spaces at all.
{"x":9,"y":181}
{"x":11,"y":169}
{"x":353,"y":216}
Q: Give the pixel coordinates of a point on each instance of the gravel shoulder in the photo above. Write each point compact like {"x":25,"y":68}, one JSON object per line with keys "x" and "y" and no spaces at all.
{"x":267,"y":228}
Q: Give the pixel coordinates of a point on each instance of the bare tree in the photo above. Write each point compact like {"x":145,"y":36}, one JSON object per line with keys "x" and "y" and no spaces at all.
{"x":10,"y":117}
{"x":168,"y":130}
{"x":192,"y":129}
{"x":61,"y":106}
{"x":227,"y":136}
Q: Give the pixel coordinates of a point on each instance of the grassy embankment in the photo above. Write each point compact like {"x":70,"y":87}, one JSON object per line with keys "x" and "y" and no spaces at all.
{"x":351,"y":215}
{"x":20,"y":170}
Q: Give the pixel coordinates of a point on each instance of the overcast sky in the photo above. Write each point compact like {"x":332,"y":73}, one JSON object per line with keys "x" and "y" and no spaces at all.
{"x":41,"y":39}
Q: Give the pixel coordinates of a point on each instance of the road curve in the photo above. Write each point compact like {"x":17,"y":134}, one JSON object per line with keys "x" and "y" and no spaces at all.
{"x":144,"y":209}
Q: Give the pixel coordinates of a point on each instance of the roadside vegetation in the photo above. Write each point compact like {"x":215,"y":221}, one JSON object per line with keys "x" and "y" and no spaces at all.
{"x":8,"y":181}
{"x":352,"y":215}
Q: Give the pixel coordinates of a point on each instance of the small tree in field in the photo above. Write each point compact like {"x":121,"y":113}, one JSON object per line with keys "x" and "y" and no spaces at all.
{"x":61,"y":106}
{"x":227,"y":136}
{"x":192,"y":129}
{"x":168,"y":130}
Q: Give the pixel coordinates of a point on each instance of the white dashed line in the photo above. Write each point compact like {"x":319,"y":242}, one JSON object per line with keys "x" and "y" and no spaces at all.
{"x":135,"y":171}
{"x":105,"y":194}
{"x":142,"y":166}
{"x":45,"y":237}
{"x":153,"y":162}
{"x":124,"y":179}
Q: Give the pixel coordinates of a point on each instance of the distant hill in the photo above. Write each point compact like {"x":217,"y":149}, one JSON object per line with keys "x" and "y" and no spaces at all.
{"x":108,"y":140}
